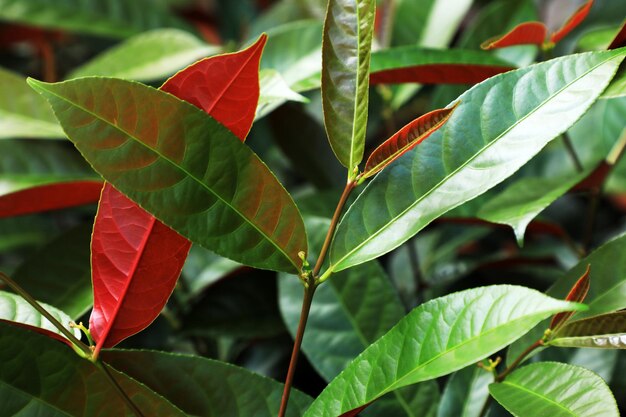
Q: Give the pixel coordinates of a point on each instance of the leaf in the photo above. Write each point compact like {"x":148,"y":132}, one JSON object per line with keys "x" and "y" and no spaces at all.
{"x":606,"y":331}
{"x":274,"y":91}
{"x":40,"y":377}
{"x":23,"y":113}
{"x":411,"y":64}
{"x":47,"y":197}
{"x":435,"y":339}
{"x":134,"y":269}
{"x":570,"y":391}
{"x":466,"y":393}
{"x":577,"y":294}
{"x":14,"y":308}
{"x":248,"y":216}
{"x":575,"y":19}
{"x":346,"y":47}
{"x":110,"y":18}
{"x":203,"y":268}
{"x":497,"y":127}
{"x":524,"y":199}
{"x":148,"y":56}
{"x":617,"y":87}
{"x":405,"y":139}
{"x":211,"y":388}
{"x":60,"y":273}
{"x":225,"y":86}
{"x":620,"y":38}
{"x":528,"y":33}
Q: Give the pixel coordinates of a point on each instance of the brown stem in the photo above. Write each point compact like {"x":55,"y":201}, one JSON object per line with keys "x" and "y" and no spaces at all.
{"x":103,"y":367}
{"x":30,"y":300}
{"x":572,"y":153}
{"x":333,"y":225}
{"x":309,"y":291}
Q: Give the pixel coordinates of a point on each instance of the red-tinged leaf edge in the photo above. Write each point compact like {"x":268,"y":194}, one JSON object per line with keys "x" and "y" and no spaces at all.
{"x":575,"y":19}
{"x":620,"y":38}
{"x":49,"y":197}
{"x":438,"y":74}
{"x":577,"y":294}
{"x":527,"y":33}
{"x":356,"y":411}
{"x":40,"y":331}
{"x":406,"y":139}
{"x":190,"y":84}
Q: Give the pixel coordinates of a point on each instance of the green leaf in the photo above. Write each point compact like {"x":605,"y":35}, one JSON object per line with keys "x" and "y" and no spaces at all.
{"x":523,"y":200}
{"x":556,"y":390}
{"x":498,"y":126}
{"x":60,"y":273}
{"x":606,"y":331}
{"x":274,"y":91}
{"x":149,"y":56}
{"x":435,"y":339}
{"x":346,"y":48}
{"x":23,"y":113}
{"x":15,"y":308}
{"x":41,"y":377}
{"x":617,"y":88}
{"x":466,"y":393}
{"x":112,"y":18}
{"x":172,"y":165}
{"x":205,"y":387}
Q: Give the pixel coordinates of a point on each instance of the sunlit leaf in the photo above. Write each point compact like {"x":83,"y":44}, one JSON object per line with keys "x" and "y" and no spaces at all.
{"x":606,"y":331}
{"x":274,"y":91}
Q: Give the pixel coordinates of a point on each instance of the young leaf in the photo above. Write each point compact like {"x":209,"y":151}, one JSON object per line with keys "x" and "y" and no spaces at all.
{"x":23,"y":114}
{"x":498,"y":126}
{"x":606,"y":331}
{"x":14,"y":308}
{"x":576,"y":19}
{"x":405,"y":139}
{"x":466,"y":392}
{"x":435,"y":339}
{"x":346,"y":50}
{"x":211,"y":388}
{"x":148,"y":56}
{"x":178,"y":154}
{"x":528,"y":33}
{"x":412,"y":64}
{"x":556,"y":390}
{"x":40,"y":377}
{"x":47,"y":197}
{"x":577,"y":294}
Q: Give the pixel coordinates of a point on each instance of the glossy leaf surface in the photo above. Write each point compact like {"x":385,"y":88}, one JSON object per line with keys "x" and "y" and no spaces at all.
{"x":523,"y":200}
{"x":528,"y":33}
{"x":40,"y":376}
{"x":405,"y":139}
{"x":134,"y":269}
{"x":497,"y":127}
{"x":570,"y":391}
{"x":59,"y":273}
{"x":466,"y":393}
{"x":110,"y":18}
{"x":411,"y":64}
{"x":47,"y":197}
{"x":205,"y":387}
{"x":180,"y":157}
{"x":148,"y":56}
{"x":23,"y":114}
{"x":576,"y":19}
{"x":346,"y":50}
{"x":437,"y":338}
{"x":577,"y":294}
{"x":15,"y":309}
{"x":606,"y":331}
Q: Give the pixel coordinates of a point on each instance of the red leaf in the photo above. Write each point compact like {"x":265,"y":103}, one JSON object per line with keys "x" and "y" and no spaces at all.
{"x":527,"y":33}
{"x":39,"y":330}
{"x":231,"y":92}
{"x":405,"y":139}
{"x":577,"y":294}
{"x":356,"y":411}
{"x":50,"y":197}
{"x":620,"y":39}
{"x":595,"y":178}
{"x":154,"y":254}
{"x":575,"y":20}
{"x":438,"y":74}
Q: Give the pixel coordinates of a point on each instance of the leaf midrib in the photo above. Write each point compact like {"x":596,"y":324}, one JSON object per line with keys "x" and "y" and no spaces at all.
{"x":548,"y":400}
{"x":464,"y":165}
{"x":137,"y":140}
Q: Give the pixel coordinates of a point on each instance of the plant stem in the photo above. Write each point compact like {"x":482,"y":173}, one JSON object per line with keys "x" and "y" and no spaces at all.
{"x":572,"y":153}
{"x":103,"y":367}
{"x":309,"y":291}
{"x":30,"y":300}
{"x":594,"y":200}
{"x":333,"y":225}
